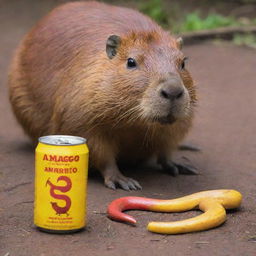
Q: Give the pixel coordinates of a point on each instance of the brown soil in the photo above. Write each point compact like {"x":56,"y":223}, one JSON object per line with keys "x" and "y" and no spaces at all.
{"x":224,"y":129}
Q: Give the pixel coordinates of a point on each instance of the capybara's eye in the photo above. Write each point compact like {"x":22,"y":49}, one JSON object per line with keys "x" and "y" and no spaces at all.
{"x":183,"y":63}
{"x":182,"y":66}
{"x":131,"y":63}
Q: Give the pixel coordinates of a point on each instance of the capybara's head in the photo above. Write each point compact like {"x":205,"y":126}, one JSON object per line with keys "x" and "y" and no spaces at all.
{"x":150,"y":78}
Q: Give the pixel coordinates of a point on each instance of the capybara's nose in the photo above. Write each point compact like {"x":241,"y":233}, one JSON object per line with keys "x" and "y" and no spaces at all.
{"x":172,"y":89}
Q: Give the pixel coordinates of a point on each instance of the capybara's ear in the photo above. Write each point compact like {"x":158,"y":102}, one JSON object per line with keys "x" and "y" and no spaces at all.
{"x":113,"y":43}
{"x":179,"y":42}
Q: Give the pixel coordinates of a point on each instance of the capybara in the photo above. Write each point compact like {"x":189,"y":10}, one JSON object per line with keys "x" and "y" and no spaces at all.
{"x":109,"y":74}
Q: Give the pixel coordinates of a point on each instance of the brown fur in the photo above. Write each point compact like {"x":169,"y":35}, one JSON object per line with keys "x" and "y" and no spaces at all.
{"x":62,"y":82}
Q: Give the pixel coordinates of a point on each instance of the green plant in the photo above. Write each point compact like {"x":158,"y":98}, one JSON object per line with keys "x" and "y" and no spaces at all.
{"x":193,"y":22}
{"x":179,"y":22}
{"x":155,"y":9}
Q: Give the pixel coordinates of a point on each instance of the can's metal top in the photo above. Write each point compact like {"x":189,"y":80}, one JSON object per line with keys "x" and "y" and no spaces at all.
{"x":62,"y":140}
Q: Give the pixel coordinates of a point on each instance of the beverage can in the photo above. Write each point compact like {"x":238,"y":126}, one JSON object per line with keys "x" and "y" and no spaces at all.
{"x":61,"y":170}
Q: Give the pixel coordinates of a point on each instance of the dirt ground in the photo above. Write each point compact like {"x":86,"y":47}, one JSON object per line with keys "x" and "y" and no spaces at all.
{"x":224,"y":129}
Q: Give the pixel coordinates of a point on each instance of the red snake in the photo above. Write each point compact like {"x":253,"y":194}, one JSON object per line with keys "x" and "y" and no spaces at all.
{"x":58,"y":209}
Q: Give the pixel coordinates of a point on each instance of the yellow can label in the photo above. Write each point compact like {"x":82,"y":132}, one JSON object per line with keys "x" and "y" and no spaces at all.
{"x":60,"y":186}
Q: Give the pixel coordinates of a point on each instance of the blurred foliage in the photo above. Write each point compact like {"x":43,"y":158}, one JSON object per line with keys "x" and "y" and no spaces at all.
{"x":155,"y":9}
{"x":193,"y":22}
{"x":248,"y":40}
{"x":179,"y":22}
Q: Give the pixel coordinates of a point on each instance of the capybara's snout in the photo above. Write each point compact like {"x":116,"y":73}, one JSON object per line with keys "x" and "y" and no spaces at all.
{"x":166,"y":100}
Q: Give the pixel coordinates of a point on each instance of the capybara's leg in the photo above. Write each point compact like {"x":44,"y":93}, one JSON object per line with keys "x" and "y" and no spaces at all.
{"x":103,"y":157}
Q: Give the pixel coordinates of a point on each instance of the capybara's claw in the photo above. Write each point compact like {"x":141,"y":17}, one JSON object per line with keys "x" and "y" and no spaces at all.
{"x":122,"y":182}
{"x":186,"y":169}
{"x":172,"y":169}
{"x":110,"y":184}
{"x":176,"y":169}
{"x":189,"y":147}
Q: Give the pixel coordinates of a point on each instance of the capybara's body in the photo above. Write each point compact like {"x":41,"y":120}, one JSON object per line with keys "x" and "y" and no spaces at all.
{"x":109,"y":74}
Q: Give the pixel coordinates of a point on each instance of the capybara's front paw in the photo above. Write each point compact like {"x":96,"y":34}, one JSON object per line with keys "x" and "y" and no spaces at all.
{"x":118,"y":180}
